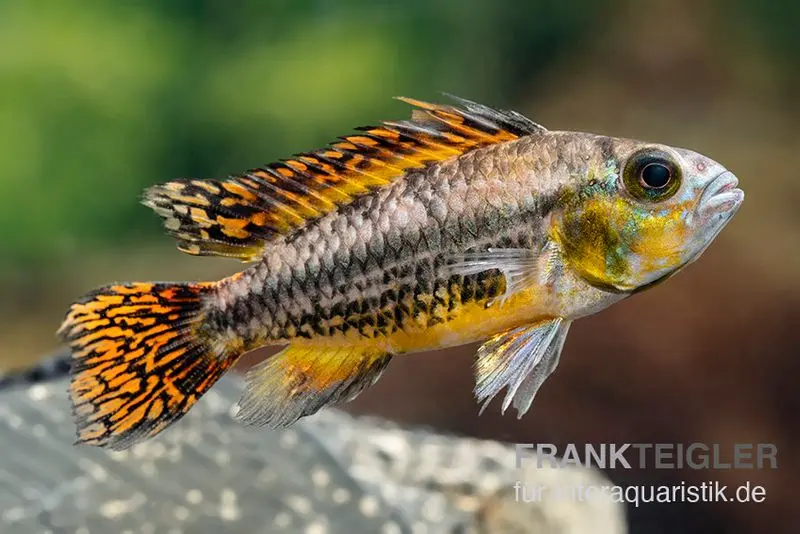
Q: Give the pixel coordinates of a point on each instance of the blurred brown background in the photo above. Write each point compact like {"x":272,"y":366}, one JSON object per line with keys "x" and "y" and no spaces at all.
{"x":99,"y":101}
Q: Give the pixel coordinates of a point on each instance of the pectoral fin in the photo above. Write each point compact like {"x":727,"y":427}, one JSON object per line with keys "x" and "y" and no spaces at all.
{"x":521,"y":359}
{"x":523,"y":268}
{"x":300,"y":380}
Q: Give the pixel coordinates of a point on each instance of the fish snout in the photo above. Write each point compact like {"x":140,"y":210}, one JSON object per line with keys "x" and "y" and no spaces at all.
{"x":721,"y":196}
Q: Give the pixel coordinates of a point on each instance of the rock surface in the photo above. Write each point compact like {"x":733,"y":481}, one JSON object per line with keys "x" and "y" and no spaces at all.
{"x":330,"y":473}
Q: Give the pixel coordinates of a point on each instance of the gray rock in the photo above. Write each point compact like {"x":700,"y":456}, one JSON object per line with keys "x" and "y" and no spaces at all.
{"x":330,"y":473}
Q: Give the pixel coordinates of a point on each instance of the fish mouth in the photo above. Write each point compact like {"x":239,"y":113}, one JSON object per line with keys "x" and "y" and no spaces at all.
{"x":718,"y":203}
{"x":720,"y":197}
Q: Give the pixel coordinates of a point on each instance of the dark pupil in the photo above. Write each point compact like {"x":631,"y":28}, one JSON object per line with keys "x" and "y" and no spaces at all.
{"x":656,"y":175}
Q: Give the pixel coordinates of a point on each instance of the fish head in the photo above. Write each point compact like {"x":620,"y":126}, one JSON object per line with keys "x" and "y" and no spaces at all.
{"x":642,"y":212}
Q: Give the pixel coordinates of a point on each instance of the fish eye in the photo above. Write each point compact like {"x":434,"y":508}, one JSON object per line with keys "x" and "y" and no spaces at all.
{"x":652,"y":175}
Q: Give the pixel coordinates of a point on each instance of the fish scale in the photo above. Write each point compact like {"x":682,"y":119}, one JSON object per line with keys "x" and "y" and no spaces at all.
{"x":405,"y":263}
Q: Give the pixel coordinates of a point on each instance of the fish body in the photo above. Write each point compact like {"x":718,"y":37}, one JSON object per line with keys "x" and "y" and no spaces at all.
{"x":462,"y":224}
{"x":376,"y":271}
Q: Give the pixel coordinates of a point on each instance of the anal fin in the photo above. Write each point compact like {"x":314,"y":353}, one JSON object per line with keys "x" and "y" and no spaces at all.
{"x":302,"y":379}
{"x":521,"y":360}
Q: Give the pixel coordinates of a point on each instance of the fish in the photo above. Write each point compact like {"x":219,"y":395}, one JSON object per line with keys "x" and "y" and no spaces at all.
{"x":463,"y":223}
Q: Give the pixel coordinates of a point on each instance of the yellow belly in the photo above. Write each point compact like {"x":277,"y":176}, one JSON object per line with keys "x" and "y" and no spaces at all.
{"x":473,"y":322}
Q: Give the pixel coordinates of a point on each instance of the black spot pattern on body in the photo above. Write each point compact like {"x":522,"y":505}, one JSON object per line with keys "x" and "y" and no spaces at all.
{"x":389,"y":278}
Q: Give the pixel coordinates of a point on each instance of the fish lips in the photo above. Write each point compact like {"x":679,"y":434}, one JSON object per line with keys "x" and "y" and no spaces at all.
{"x":720,"y":197}
{"x":718,"y":203}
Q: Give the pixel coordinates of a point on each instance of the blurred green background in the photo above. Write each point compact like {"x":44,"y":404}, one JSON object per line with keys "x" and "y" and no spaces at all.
{"x":100,"y":99}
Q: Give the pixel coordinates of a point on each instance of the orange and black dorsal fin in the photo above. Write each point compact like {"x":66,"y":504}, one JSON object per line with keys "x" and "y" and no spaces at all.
{"x":236,"y":217}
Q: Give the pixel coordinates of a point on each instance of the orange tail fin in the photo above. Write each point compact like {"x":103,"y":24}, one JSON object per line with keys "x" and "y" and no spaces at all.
{"x":140,"y":360}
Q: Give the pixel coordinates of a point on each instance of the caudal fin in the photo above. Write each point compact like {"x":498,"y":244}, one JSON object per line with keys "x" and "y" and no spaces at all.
{"x":139,"y":360}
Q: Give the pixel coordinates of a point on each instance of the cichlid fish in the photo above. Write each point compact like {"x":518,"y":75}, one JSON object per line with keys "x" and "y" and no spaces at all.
{"x":464,"y":223}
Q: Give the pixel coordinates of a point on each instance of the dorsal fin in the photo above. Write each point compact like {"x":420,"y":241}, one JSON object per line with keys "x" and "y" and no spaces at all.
{"x":236,"y":217}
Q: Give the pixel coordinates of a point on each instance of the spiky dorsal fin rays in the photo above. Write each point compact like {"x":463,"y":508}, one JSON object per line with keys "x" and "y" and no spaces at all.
{"x":237,"y":216}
